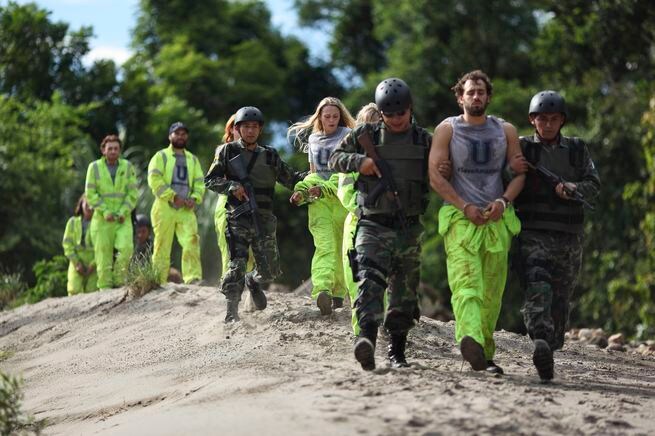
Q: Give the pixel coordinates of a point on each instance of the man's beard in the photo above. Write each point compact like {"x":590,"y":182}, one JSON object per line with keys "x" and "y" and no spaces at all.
{"x":476,"y":111}
{"x":179,"y":144}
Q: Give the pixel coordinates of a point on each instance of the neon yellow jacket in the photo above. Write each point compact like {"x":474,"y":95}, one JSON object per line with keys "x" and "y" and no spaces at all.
{"x":107,"y":197}
{"x":72,"y":243}
{"x":160,"y":175}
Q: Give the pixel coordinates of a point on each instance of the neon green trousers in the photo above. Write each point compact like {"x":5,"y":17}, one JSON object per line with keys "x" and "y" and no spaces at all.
{"x":78,"y":283}
{"x":107,"y":237}
{"x":349,"y":228}
{"x":477,"y":271}
{"x":220,"y":222}
{"x":326,"y":219}
{"x":168,"y":222}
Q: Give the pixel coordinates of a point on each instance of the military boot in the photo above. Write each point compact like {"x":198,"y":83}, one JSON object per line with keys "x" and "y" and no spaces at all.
{"x":397,"y":350}
{"x":232,"y":314}
{"x":542,"y":358}
{"x":364,"y":347}
{"x":258,"y":296}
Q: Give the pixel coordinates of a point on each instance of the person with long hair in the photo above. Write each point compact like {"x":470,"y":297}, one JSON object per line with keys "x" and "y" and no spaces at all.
{"x":329,"y":124}
{"x":78,"y":248}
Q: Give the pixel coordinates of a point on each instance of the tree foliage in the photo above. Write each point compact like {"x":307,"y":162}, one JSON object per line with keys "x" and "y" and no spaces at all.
{"x":199,"y":61}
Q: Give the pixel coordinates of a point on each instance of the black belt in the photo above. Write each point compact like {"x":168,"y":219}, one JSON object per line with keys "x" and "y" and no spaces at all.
{"x":391,"y":221}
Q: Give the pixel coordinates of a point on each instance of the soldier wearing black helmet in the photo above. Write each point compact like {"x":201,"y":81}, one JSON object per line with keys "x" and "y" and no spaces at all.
{"x":386,"y":254}
{"x":249,"y":230}
{"x":549,"y":252}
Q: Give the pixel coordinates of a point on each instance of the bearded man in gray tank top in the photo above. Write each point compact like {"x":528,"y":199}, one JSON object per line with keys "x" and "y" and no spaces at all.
{"x":477,"y":220}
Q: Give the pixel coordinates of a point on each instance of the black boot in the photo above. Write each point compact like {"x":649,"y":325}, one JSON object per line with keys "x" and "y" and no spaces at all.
{"x":232,"y":314}
{"x":492,"y":368}
{"x":473,"y":353}
{"x":542,"y":357}
{"x":258,"y":296}
{"x":364,"y":347}
{"x":337,"y":302}
{"x":397,"y":350}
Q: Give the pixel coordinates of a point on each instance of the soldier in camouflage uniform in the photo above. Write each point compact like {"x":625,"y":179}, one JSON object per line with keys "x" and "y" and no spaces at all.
{"x":387,"y":247}
{"x":549,"y":251}
{"x":265,"y":168}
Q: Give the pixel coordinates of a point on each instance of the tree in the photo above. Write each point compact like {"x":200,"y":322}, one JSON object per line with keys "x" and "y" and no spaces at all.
{"x":43,"y":155}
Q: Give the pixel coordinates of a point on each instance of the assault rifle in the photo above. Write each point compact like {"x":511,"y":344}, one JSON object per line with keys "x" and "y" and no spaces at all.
{"x":237,"y":168}
{"x":386,"y":184}
{"x":553,"y":179}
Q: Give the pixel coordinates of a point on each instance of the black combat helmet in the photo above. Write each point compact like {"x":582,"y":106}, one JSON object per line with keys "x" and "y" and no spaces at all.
{"x":142,"y":221}
{"x":248,"y":113}
{"x":392,"y":95}
{"x":547,"y":101}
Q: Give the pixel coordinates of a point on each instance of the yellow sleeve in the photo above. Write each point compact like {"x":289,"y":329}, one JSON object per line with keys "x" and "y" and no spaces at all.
{"x":198,"y":181}
{"x":69,"y":241}
{"x":158,"y":185}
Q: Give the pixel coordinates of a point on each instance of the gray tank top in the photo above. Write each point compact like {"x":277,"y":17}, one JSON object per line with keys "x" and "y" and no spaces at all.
{"x":321,"y":147}
{"x":478,"y":154}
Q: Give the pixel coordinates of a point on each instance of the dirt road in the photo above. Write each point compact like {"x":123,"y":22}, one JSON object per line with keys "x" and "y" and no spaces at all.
{"x":166,"y":364}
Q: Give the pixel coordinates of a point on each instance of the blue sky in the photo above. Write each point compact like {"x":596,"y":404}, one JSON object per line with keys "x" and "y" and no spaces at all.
{"x":112,"y":21}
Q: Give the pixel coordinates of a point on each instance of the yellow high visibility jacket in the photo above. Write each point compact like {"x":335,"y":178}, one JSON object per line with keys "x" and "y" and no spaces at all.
{"x":160,"y":175}
{"x":76,"y":249}
{"x":107,"y":197}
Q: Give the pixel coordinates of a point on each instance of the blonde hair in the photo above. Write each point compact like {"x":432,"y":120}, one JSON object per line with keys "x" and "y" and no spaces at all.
{"x":302,"y":129}
{"x":228,"y":136}
{"x":368,"y":114}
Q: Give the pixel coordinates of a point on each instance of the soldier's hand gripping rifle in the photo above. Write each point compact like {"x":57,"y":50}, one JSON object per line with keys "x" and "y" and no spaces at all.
{"x":237,"y":168}
{"x":553,"y":179}
{"x":386,"y":185}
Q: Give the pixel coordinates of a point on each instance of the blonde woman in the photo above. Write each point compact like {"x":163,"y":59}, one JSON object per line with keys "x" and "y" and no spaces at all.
{"x":346,"y":193}
{"x":329,"y":124}
{"x":82,"y":276}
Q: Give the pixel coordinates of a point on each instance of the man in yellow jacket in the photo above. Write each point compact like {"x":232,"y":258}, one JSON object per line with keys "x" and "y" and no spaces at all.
{"x":177,"y":182}
{"x":111,"y":190}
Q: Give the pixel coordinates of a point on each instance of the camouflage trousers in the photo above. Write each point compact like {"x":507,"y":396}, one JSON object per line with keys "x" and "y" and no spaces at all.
{"x":241,"y":236}
{"x":548,"y":264}
{"x":387,"y":260}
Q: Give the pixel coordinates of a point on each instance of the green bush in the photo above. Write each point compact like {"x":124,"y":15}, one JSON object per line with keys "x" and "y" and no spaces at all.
{"x":11,"y":285}
{"x":12,"y":418}
{"x":51,"y":277}
{"x":142,"y":277}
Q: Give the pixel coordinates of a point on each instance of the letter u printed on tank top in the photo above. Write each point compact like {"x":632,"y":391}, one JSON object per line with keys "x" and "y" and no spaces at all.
{"x":479,"y":151}
{"x":323,"y":157}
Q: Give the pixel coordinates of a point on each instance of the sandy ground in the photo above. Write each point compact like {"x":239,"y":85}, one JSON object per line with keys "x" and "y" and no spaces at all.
{"x":166,"y":364}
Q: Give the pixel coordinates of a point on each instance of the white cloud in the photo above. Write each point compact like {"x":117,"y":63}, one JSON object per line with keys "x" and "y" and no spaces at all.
{"x":117,"y":54}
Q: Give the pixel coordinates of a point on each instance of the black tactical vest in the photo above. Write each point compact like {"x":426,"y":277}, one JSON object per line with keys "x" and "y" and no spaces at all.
{"x":407,"y":156}
{"x":538,"y":206}
{"x":261,"y":165}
